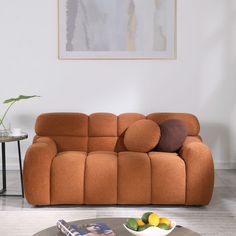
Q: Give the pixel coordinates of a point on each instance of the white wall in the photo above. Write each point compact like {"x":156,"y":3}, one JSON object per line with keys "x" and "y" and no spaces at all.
{"x":201,"y":81}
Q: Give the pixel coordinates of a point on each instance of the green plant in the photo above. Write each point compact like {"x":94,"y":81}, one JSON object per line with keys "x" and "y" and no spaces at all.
{"x":10,"y":102}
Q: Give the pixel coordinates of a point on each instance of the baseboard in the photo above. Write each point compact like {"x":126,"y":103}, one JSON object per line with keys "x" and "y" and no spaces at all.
{"x":218,"y":165}
{"x":12,"y":166}
{"x":225,"y":165}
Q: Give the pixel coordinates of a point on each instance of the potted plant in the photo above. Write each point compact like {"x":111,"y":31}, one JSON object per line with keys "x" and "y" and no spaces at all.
{"x":4,"y":127}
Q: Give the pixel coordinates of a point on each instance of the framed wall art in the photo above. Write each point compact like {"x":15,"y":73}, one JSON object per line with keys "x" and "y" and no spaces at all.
{"x":117,"y":29}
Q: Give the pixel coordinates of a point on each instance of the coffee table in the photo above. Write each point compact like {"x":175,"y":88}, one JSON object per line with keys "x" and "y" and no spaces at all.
{"x":116,"y":224}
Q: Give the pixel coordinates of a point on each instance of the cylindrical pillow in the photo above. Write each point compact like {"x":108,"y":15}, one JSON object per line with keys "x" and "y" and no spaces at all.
{"x":173,"y":134}
{"x":142,"y":136}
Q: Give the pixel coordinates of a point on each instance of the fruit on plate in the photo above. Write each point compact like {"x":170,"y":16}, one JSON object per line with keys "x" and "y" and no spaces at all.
{"x":132,"y":224}
{"x":149,"y":219}
{"x":145,"y":217}
{"x":143,"y":227}
{"x":153,"y":219}
{"x":140,"y":222}
{"x":163,"y":226}
{"x":164,"y":220}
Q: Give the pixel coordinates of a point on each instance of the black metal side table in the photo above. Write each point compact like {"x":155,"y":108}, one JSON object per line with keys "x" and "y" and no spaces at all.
{"x":3,"y":141}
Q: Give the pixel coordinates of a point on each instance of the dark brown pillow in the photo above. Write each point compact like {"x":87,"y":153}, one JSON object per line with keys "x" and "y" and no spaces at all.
{"x":142,"y":136}
{"x":173,"y":134}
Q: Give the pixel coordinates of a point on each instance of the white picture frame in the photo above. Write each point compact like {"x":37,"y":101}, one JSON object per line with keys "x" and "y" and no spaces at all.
{"x":117,"y":29}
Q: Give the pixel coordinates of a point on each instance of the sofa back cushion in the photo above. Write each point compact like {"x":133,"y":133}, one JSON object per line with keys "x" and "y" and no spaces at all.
{"x":102,"y":135}
{"x":68,"y":130}
{"x":191,"y":121}
{"x":98,"y":131}
{"x":102,"y":125}
{"x":62,"y":124}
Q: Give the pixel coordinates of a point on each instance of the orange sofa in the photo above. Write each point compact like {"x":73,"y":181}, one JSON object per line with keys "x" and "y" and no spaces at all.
{"x":80,"y":159}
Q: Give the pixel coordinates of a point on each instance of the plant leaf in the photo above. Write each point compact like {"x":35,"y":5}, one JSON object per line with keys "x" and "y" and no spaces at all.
{"x":20,"y":97}
{"x":9,"y":100}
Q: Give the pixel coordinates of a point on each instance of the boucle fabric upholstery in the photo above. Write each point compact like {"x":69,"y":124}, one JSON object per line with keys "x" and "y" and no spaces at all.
{"x":81,"y":159}
{"x":142,"y":136}
{"x":173,"y":135}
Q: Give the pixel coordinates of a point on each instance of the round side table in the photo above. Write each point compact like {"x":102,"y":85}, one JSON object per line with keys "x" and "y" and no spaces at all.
{"x":3,"y":141}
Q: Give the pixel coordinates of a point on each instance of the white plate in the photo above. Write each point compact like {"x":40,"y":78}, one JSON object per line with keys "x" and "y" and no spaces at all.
{"x":152,"y":231}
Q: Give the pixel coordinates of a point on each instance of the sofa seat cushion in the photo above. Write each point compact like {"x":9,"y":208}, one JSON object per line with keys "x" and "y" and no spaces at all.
{"x":142,"y":136}
{"x":101,"y":178}
{"x":134,"y":178}
{"x":67,"y":178}
{"x":168,"y":178}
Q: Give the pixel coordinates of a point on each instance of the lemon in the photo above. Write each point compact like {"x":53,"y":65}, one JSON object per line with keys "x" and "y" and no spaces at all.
{"x":140,"y":222}
{"x":153,"y":219}
{"x":164,"y":220}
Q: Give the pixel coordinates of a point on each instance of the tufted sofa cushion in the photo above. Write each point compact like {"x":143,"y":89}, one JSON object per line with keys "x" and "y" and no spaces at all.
{"x":99,"y":131}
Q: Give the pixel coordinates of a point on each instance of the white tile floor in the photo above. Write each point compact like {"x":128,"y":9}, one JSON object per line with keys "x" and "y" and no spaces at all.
{"x":218,"y":218}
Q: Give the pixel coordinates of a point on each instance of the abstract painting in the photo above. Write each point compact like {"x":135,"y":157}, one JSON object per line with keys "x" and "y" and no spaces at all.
{"x":117,"y":29}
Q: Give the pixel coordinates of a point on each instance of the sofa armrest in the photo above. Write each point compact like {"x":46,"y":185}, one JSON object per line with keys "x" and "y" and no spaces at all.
{"x":36,"y":172}
{"x":199,"y":172}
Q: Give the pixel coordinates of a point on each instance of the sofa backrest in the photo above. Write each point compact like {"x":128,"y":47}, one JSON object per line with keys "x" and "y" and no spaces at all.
{"x":99,"y":131}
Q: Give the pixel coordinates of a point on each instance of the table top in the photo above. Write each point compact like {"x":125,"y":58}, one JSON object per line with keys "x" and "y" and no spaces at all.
{"x":12,"y":138}
{"x":116,"y":224}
